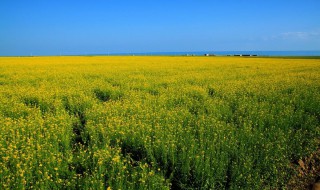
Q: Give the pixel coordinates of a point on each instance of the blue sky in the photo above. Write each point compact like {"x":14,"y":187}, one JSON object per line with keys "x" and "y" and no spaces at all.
{"x":44,"y":27}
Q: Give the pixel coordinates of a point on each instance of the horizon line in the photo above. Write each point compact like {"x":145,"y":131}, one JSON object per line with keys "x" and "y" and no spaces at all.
{"x":171,"y":53}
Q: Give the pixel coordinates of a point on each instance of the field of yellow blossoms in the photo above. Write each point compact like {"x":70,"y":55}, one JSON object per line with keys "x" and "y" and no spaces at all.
{"x":130,"y":122}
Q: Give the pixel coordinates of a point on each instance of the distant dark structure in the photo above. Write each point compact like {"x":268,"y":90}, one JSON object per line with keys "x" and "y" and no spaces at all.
{"x":235,"y":55}
{"x":245,"y":55}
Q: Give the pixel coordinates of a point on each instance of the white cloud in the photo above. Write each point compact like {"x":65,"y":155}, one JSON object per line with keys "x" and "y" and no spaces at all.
{"x":299,"y":35}
{"x":302,"y":36}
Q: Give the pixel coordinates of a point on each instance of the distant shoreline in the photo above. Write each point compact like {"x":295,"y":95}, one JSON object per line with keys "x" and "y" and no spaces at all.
{"x":225,"y":53}
{"x":195,"y":53}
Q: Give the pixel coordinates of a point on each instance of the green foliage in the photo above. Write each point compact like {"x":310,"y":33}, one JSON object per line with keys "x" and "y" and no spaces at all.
{"x":105,"y":95}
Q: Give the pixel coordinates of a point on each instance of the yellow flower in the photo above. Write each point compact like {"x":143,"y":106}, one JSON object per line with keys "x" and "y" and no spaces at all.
{"x":116,"y":159}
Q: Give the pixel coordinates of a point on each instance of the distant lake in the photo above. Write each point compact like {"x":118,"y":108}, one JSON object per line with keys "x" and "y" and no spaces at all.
{"x":259,"y":53}
{"x":196,"y":53}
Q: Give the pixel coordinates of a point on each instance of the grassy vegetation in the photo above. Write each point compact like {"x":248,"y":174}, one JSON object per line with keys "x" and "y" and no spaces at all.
{"x":156,"y":122}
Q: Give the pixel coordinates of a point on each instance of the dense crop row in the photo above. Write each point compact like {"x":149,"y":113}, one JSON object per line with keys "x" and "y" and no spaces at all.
{"x":156,"y":122}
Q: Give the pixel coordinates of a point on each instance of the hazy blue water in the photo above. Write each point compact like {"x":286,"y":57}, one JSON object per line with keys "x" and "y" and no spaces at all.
{"x":259,"y":53}
{"x":201,"y":53}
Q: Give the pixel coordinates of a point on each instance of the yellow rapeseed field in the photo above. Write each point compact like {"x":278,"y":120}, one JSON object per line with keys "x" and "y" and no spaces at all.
{"x":144,"y":122}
